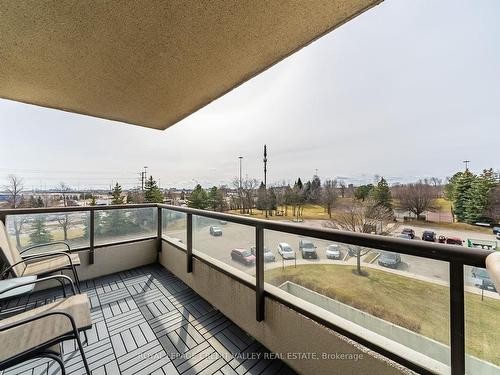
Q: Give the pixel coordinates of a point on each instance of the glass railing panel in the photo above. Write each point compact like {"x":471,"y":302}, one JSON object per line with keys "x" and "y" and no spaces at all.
{"x":174,"y":226}
{"x":482,"y":324}
{"x":391,"y":298}
{"x":124,"y":224}
{"x":228,"y":242}
{"x":32,"y":229}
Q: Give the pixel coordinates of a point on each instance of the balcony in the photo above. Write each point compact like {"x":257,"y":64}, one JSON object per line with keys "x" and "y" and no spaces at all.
{"x":163,"y":286}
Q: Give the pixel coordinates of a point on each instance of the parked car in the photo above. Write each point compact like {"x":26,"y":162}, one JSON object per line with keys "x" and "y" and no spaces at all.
{"x":222,"y":222}
{"x":286,"y":251}
{"x":496,"y":230}
{"x":354,"y":250}
{"x":409,"y":232}
{"x":484,"y":276}
{"x":333,"y":252}
{"x":243,"y":256}
{"x":405,"y":236}
{"x":429,"y":235}
{"x":454,"y":241}
{"x":268,"y":254}
{"x":391,"y":260}
{"x":308,"y":249}
{"x":215,"y":231}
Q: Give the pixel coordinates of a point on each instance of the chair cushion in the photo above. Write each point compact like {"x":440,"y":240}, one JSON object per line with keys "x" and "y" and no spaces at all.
{"x":9,"y":252}
{"x":30,"y":335}
{"x":49,"y":264}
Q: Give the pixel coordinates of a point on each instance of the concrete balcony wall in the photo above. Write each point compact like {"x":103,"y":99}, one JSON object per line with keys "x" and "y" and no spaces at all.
{"x":115,"y":258}
{"x":284,"y":331}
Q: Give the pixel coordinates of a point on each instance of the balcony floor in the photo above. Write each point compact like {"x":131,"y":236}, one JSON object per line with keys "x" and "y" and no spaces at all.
{"x":147,"y":321}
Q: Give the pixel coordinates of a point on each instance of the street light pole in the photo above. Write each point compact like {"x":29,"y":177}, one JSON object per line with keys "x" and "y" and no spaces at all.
{"x":241,"y":187}
{"x":466,"y":162}
{"x":265,"y":178}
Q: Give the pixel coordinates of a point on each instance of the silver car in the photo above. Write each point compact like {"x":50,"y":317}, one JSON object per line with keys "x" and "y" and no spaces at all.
{"x":286,"y":251}
{"x":333,"y":252}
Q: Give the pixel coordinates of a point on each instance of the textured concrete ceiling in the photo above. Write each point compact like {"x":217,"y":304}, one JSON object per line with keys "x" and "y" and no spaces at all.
{"x":147,"y":62}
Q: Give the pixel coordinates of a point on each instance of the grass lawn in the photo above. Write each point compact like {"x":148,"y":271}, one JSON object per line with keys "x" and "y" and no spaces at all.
{"x":309,"y":212}
{"x":442,"y":205}
{"x":416,"y":305}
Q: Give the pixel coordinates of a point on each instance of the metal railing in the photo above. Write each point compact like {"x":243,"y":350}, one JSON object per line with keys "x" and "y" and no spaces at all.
{"x":456,"y":256}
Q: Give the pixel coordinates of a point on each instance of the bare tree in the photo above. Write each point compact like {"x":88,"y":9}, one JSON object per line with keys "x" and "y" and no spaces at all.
{"x":343,"y":188}
{"x":416,"y":198}
{"x":64,"y":189}
{"x":246,"y":194}
{"x":65,"y":221}
{"x":329,"y":195}
{"x":14,"y":189}
{"x":361,"y":218}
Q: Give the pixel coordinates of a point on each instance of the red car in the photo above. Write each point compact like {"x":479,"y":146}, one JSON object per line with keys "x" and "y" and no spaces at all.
{"x":450,"y":240}
{"x":243,"y":256}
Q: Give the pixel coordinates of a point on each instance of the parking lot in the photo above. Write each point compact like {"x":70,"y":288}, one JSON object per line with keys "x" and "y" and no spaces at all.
{"x":236,"y":236}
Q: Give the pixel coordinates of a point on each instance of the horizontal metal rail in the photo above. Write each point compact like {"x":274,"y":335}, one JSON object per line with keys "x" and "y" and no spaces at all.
{"x":48,"y":210}
{"x":436,"y":251}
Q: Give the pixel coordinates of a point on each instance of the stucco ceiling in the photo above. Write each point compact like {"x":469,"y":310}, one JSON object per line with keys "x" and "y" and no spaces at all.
{"x":147,"y":62}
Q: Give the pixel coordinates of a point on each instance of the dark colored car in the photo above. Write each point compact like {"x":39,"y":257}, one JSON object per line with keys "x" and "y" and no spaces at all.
{"x":308,"y":249}
{"x":268,"y":254}
{"x":454,"y":241}
{"x":409,"y":232}
{"x":391,"y":260}
{"x":429,"y":235}
{"x":484,"y":276}
{"x":243,"y":256}
{"x":496,"y":230}
{"x":215,"y":231}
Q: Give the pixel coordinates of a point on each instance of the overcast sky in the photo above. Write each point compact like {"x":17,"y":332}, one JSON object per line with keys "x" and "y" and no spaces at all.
{"x":407,"y":90}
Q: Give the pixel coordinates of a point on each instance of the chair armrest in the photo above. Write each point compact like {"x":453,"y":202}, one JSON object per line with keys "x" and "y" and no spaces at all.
{"x":37,"y":256}
{"x":59,"y":278}
{"x":46,"y":244}
{"x":38,"y":317}
{"x":493,"y":268}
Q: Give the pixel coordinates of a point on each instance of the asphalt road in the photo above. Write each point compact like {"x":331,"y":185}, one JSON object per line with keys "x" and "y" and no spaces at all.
{"x":243,"y":237}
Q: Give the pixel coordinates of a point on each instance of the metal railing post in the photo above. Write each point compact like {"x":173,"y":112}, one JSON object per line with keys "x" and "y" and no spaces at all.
{"x":91,"y":236}
{"x":259,"y":275}
{"x":457,"y":318}
{"x":189,"y":245}
{"x":159,"y":220}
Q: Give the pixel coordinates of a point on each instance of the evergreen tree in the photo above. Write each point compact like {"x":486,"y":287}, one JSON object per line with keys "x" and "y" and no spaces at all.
{"x":215,"y":199}
{"x":272,"y":201}
{"x":117,"y":195}
{"x":449,"y":189}
{"x":462,"y":194}
{"x":39,"y":202}
{"x":261,"y":203}
{"x":381,"y":194}
{"x":299,"y":184}
{"x":198,"y":198}
{"x":362,"y":192}
{"x":39,"y":233}
{"x":152,"y":192}
{"x":92,"y":201}
{"x":130,"y":197}
{"x":315,"y":191}
{"x":32,"y":201}
{"x":479,"y":198}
